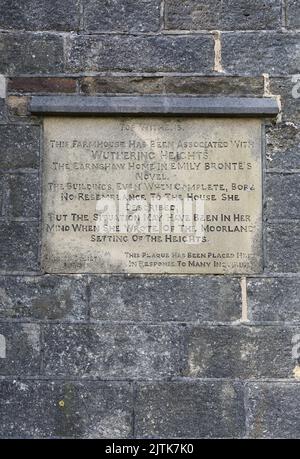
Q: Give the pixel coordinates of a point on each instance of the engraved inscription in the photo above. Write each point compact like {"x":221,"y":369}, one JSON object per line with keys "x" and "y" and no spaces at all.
{"x":152,"y":195}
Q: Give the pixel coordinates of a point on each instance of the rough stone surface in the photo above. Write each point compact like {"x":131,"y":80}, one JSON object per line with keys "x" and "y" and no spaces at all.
{"x":41,"y":85}
{"x":23,"y":195}
{"x":189,"y":410}
{"x":49,"y":409}
{"x":19,"y":147}
{"x":122,"y":16}
{"x":114,"y":350}
{"x":39,"y":15}
{"x":229,"y":15}
{"x":165,"y":299}
{"x":140,"y":53}
{"x":283,"y":146}
{"x":282,"y":198}
{"x":274,"y":410}
{"x":293,"y":14}
{"x":2,"y":194}
{"x":43,"y":297}
{"x":30,"y":53}
{"x":17,"y":107}
{"x":240,"y":352}
{"x":283,"y":247}
{"x":19,"y":246}
{"x":254,"y":53}
{"x":288,"y":88}
{"x":122,"y":85}
{"x":274,"y":299}
{"x":22,"y":350}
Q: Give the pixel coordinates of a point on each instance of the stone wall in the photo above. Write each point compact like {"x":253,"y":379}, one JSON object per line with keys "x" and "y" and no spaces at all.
{"x":148,"y":356}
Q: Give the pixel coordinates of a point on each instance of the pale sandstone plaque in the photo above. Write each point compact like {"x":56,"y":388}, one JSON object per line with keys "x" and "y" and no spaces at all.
{"x":178,"y":195}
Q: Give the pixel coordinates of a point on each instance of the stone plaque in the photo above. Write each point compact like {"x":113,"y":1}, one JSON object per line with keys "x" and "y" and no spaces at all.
{"x":178,"y":195}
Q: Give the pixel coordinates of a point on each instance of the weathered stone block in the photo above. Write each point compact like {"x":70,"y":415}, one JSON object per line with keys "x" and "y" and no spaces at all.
{"x":187,"y":409}
{"x":2,"y":110}
{"x":283,"y":146}
{"x":163,"y":299}
{"x":19,"y":146}
{"x":2,"y":194}
{"x":40,"y":15}
{"x":22,"y":349}
{"x":283,"y":247}
{"x":114,"y":350}
{"x":274,"y":300}
{"x":282,"y":198}
{"x":229,"y":15}
{"x":17,"y":108}
{"x":140,"y":53}
{"x":240,"y":352}
{"x":41,"y":85}
{"x":293,"y":14}
{"x":19,"y":246}
{"x":125,"y":85}
{"x":46,"y":409}
{"x":43,"y":297}
{"x":287,"y":88}
{"x":253,"y":53}
{"x":23,"y":195}
{"x":30,"y":53}
{"x":273,"y":410}
{"x":122,"y":16}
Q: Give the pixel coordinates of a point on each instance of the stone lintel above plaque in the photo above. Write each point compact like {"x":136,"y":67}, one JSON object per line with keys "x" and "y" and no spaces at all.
{"x":152,"y":105}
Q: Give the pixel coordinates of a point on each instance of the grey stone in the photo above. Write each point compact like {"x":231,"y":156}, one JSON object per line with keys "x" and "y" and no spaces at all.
{"x":274,"y":299}
{"x":39,"y":14}
{"x":140,"y":53}
{"x":274,"y":410}
{"x":2,"y":194}
{"x":229,"y":15}
{"x":23,"y":351}
{"x":282,"y":198}
{"x":216,"y":86}
{"x":19,"y":246}
{"x":23,"y":195}
{"x":19,"y":146}
{"x":283,"y":146}
{"x":23,"y":52}
{"x":2,"y":110}
{"x":261,"y":52}
{"x":65,"y":409}
{"x":43,"y":297}
{"x":240,"y":352}
{"x":283,"y":247}
{"x":114,"y":350}
{"x":122,"y":16}
{"x":122,"y":85}
{"x":284,"y":86}
{"x":165,"y":299}
{"x":190,"y":409}
{"x":293,"y":14}
{"x":155,"y":104}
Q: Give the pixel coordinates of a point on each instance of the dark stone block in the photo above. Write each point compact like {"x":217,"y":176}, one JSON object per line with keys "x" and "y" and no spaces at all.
{"x":2,"y":110}
{"x":293,"y":14}
{"x":122,"y":16}
{"x":19,"y":246}
{"x":114,"y":350}
{"x":165,"y":299}
{"x":274,"y":410}
{"x":283,"y":146}
{"x":229,"y":15}
{"x":19,"y":146}
{"x":125,"y":85}
{"x":46,"y":409}
{"x":2,"y":194}
{"x":253,"y":53}
{"x":240,"y":352}
{"x":39,"y":14}
{"x":22,"y":349}
{"x":41,"y":85}
{"x":30,"y":53}
{"x":190,"y":409}
{"x":140,"y":53}
{"x":283,"y":247}
{"x":287,"y":88}
{"x":282,"y":198}
{"x":23,"y":195}
{"x":274,"y":300}
{"x":43,"y":297}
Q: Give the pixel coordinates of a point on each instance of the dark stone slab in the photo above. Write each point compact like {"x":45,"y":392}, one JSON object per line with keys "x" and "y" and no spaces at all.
{"x":65,"y":409}
{"x":274,"y":299}
{"x":190,"y":409}
{"x":23,"y":195}
{"x":282,"y":198}
{"x":154,"y":105}
{"x":19,"y":146}
{"x":274,"y":410}
{"x":43,"y":297}
{"x":162,"y":299}
{"x":283,"y":247}
{"x":293,"y":14}
{"x":114,"y":350}
{"x":22,"y":356}
{"x":283,"y":146}
{"x":122,"y":84}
